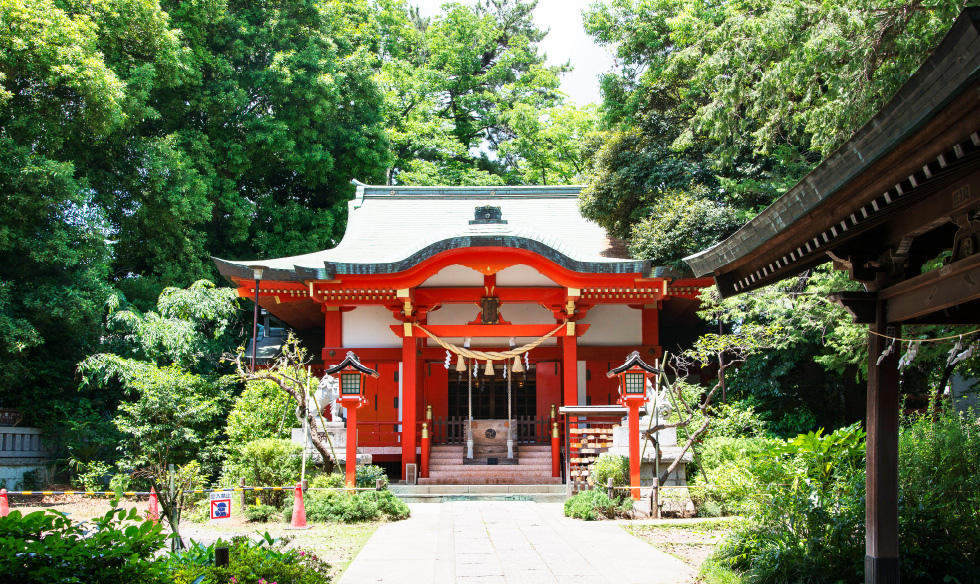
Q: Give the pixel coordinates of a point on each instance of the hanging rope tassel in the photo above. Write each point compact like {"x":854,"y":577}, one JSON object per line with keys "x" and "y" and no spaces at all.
{"x":489,"y":370}
{"x":461,"y":364}
{"x":518,"y":366}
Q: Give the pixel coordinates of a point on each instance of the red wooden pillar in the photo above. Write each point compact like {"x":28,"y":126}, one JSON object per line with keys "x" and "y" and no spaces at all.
{"x":424,"y":468}
{"x":555,"y":451}
{"x":333,"y":327}
{"x":350,"y":475}
{"x":569,"y":364}
{"x":634,"y":447}
{"x":409,"y":398}
{"x":881,"y":563}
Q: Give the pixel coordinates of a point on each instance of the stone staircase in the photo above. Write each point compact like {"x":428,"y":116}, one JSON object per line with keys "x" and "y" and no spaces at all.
{"x":533,"y":468}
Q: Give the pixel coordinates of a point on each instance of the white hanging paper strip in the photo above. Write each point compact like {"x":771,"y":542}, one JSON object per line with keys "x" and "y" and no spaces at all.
{"x":955,"y":351}
{"x":964,"y":355}
{"x":449,"y":357}
{"x":886,"y":352}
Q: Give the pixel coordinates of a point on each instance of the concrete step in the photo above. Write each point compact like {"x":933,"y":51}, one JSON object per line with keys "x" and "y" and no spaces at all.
{"x":427,"y":493}
{"x":457,"y":479}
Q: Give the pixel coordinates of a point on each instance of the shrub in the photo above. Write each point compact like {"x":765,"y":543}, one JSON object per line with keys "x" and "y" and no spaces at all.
{"x":368,"y":475}
{"x":258,"y":413}
{"x":939,"y":498}
{"x":248,"y":562}
{"x":347,"y":507}
{"x":735,"y":474}
{"x":267,"y":462}
{"x":48,"y":547}
{"x":616,"y":466}
{"x":327,"y":481}
{"x":260,"y":513}
{"x":591,"y":505}
{"x":812,"y":529}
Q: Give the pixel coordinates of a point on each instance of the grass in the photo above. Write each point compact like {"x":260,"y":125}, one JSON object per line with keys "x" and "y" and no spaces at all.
{"x":692,"y":542}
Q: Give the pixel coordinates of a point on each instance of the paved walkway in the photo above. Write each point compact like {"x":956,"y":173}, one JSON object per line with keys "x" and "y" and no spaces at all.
{"x":515,"y":542}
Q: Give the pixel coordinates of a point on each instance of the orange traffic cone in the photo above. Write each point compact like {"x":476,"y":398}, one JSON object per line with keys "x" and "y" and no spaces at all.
{"x":4,"y":506}
{"x":299,"y":510}
{"x":153,"y":513}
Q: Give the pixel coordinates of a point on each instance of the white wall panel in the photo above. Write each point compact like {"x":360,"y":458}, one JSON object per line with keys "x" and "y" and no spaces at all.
{"x":370,"y":326}
{"x":612,"y":325}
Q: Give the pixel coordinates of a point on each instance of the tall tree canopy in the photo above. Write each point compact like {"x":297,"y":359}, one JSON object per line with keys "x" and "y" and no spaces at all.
{"x":739,"y":99}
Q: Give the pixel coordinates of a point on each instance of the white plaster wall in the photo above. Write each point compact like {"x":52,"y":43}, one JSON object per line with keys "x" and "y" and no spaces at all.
{"x":522,"y":275}
{"x":612,"y":325}
{"x":369,"y":326}
{"x":454,"y":276}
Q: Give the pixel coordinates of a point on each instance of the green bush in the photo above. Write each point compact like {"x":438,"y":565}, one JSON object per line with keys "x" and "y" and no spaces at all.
{"x":939,"y":498}
{"x":248,"y":562}
{"x":734,"y":474}
{"x":808,"y":524}
{"x":591,"y":505}
{"x":48,"y":547}
{"x":616,"y":466}
{"x":368,"y":475}
{"x":348,"y":507}
{"x":260,"y":513}
{"x":258,"y":413}
{"x":267,"y":462}
{"x":327,"y":481}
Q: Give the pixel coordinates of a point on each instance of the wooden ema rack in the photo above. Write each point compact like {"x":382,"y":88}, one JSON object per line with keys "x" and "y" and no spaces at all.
{"x":585,"y":446}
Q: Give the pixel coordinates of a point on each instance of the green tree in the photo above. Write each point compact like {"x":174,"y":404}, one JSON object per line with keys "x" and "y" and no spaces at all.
{"x":456,"y":87}
{"x":56,"y":95}
{"x":168,"y":365}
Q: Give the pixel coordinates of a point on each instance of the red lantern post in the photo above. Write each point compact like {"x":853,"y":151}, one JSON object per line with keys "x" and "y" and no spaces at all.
{"x":352,"y":381}
{"x":633,"y":375}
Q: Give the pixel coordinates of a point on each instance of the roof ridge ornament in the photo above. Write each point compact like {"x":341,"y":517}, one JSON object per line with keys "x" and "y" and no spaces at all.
{"x":487,"y":214}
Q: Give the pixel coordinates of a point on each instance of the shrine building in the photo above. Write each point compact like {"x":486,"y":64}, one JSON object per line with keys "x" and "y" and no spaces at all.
{"x":482,"y":303}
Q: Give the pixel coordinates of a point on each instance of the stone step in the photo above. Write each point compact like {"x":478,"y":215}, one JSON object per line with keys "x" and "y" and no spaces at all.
{"x":400,"y":489}
{"x":456,"y":479}
{"x":439,"y":498}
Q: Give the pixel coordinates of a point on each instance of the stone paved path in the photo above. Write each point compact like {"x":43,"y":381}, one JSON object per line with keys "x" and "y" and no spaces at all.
{"x":513,"y":542}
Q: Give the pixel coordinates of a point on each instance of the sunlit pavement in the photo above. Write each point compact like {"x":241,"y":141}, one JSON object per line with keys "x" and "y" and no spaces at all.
{"x":508,"y":541}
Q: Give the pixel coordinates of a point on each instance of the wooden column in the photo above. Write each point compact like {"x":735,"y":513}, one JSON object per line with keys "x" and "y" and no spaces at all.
{"x":569,"y":366}
{"x":881,"y":564}
{"x":634,"y":447}
{"x":350,"y":466}
{"x":333,"y":327}
{"x":410,"y":379}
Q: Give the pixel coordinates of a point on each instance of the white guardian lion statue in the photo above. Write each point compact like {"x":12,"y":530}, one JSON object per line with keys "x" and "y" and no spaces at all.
{"x":326,"y":395}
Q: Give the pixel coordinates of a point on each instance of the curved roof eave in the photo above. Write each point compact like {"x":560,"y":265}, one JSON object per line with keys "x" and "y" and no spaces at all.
{"x":330,"y":270}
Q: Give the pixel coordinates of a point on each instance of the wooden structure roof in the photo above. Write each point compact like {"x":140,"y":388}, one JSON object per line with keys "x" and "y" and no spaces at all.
{"x":392,"y":229}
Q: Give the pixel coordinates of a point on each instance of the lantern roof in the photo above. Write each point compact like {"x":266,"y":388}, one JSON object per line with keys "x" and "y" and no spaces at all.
{"x":351,"y":361}
{"x":633,"y":361}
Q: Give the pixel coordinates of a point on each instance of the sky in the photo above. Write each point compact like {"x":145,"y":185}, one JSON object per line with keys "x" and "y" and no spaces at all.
{"x":566,"y":41}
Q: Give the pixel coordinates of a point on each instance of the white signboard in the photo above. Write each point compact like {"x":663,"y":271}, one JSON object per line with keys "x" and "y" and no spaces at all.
{"x":220,"y":507}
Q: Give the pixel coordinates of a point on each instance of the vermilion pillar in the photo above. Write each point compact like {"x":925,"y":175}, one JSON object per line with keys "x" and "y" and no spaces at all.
{"x":569,"y":364}
{"x":408,"y":403}
{"x":350,"y":475}
{"x":634,"y":428}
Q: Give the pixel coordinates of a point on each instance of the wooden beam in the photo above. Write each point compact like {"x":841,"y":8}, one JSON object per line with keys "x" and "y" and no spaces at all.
{"x":490,"y":330}
{"x":934,"y":291}
{"x":860,"y":305}
{"x":546,"y":296}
